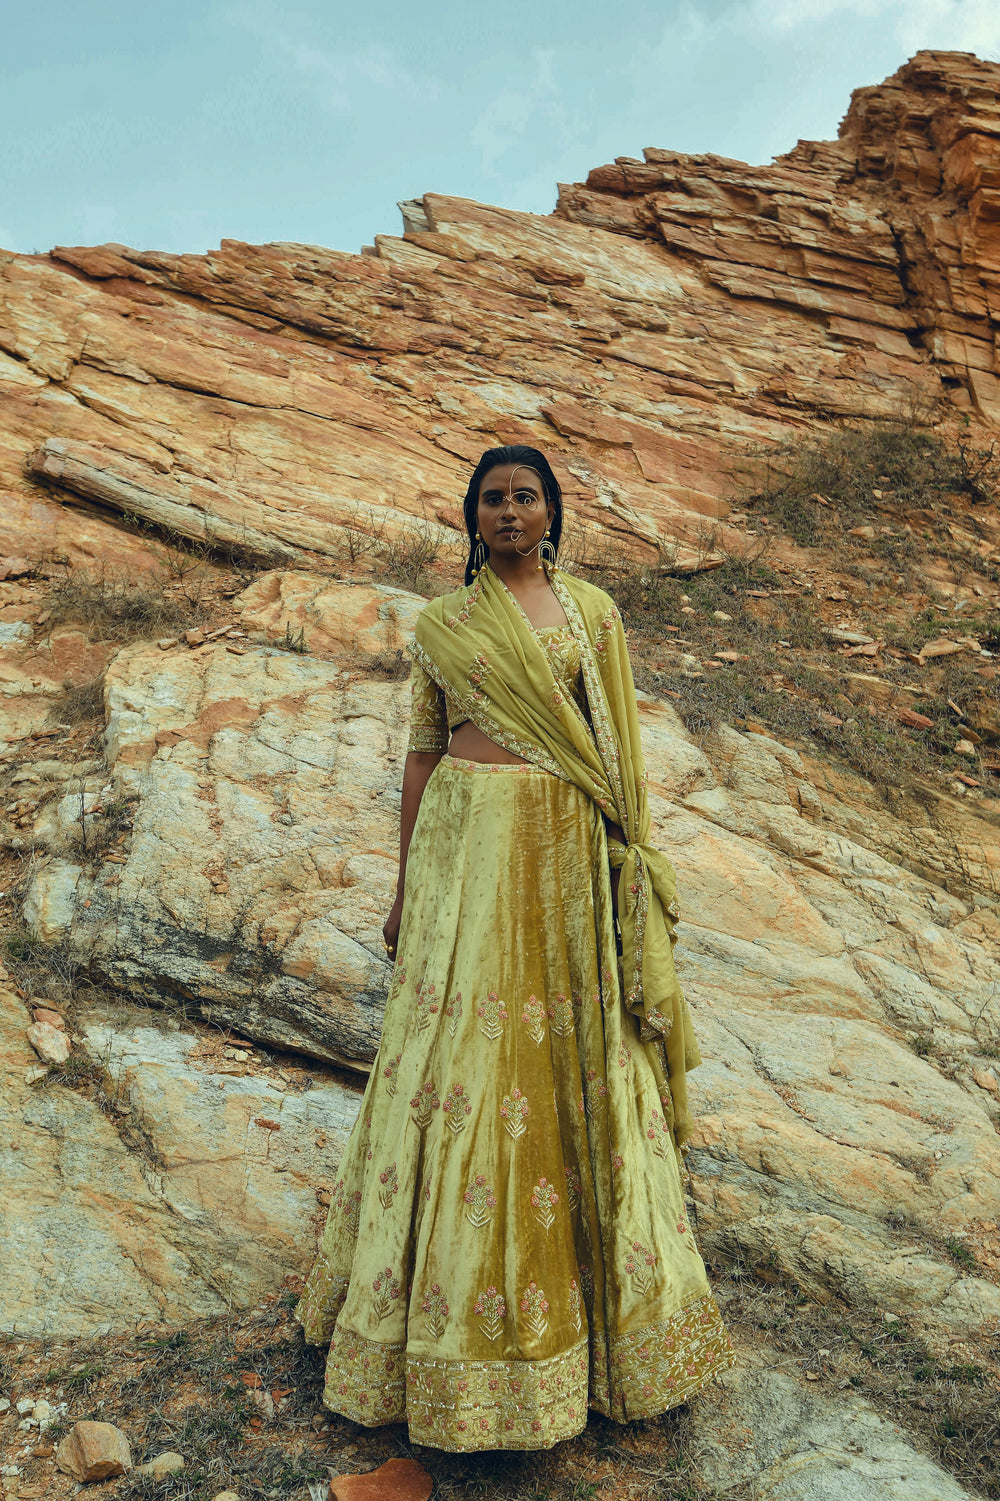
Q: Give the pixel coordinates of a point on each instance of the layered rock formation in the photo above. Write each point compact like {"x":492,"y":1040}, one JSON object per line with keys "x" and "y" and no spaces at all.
{"x":669,"y":315}
{"x":842,"y":960}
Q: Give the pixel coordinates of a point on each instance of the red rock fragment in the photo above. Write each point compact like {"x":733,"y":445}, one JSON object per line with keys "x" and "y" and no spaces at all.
{"x":914,"y":720}
{"x":396,"y":1480}
{"x":44,"y":1014}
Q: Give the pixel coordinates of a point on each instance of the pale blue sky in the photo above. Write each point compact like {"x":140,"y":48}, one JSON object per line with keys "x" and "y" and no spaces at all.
{"x":172,"y":126}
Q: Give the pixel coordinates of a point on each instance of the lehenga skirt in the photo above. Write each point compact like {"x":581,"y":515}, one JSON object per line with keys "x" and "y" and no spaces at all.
{"x":507,"y":1243}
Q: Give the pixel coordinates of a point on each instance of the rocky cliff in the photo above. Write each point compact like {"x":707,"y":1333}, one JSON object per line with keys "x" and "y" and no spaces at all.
{"x":218,"y":472}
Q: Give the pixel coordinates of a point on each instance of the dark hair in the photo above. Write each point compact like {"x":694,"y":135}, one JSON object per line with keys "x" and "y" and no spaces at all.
{"x":519,"y":454}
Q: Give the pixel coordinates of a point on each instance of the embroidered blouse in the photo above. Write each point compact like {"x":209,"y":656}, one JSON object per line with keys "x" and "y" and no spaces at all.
{"x":434,"y":714}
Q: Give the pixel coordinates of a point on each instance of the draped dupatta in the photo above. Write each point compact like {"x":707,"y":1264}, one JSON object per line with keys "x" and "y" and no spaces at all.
{"x":478,"y":644}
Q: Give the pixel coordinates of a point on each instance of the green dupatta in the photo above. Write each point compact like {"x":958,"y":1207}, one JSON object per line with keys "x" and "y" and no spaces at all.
{"x":478,"y":644}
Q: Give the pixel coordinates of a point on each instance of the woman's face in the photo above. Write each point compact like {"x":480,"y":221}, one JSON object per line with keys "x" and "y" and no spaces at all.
{"x":513,"y":514}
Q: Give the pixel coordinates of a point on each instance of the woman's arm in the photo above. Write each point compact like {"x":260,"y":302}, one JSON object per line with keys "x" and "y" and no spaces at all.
{"x":416,"y":774}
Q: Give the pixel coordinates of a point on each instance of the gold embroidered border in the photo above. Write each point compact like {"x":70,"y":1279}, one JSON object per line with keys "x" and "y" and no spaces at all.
{"x":602,"y":728}
{"x":427,"y":737}
{"x":648,"y":1371}
{"x":464,"y":1405}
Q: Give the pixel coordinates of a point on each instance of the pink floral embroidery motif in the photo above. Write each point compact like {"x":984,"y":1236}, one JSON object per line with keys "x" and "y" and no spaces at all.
{"x":658,"y":1133}
{"x":514,"y":1112}
{"x":543,"y":1202}
{"x":480,"y":670}
{"x":390,"y":1073}
{"x":617,"y":1161}
{"x":352,"y":1211}
{"x":480,"y":1201}
{"x":681,"y":1227}
{"x":574,"y":1188}
{"x":426,"y":1005}
{"x":492,"y":1014}
{"x":575,"y":1305}
{"x":562,"y":1015}
{"x":534,"y":1306}
{"x":435,"y":1306}
{"x":456,"y":1108}
{"x":475,"y":589}
{"x":389,"y":1182}
{"x":453,"y":1011}
{"x":640,"y":1264}
{"x":533,"y":1017}
{"x":423,"y":1105}
{"x":386,"y":1290}
{"x":492,"y":1309}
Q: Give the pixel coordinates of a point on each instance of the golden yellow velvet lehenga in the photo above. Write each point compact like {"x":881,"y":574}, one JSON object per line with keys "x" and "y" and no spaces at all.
{"x":507,"y":1243}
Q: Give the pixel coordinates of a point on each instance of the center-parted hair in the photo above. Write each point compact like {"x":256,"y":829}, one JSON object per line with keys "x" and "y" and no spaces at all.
{"x":519,"y":454}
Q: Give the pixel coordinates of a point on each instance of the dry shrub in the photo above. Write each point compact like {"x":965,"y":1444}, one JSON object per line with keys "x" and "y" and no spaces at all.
{"x":911,"y":468}
{"x":113,"y":607}
{"x":81,"y":701}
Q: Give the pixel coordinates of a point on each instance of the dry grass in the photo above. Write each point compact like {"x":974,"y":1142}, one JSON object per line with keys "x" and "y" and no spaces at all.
{"x":789,"y":679}
{"x":52,"y":971}
{"x":858,"y":475}
{"x":408,"y":556}
{"x":111,"y":606}
{"x":192,"y":1390}
{"x":81,"y":701}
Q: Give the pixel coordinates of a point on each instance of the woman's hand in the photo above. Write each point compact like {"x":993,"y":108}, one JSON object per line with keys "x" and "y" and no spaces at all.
{"x":390,"y":928}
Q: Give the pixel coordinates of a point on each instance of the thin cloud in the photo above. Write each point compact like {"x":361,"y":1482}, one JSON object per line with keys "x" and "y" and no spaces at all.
{"x":518,"y":112}
{"x":340,"y":76}
{"x":952,"y":25}
{"x":918,"y":25}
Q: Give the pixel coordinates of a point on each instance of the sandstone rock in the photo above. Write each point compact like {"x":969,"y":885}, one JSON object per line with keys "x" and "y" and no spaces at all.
{"x":396,"y":1480}
{"x":275,"y":926}
{"x":747,"y":299}
{"x":226,"y":1496}
{"x":50,"y":1043}
{"x":334,"y":618}
{"x":94,"y":1451}
{"x":167,"y":1463}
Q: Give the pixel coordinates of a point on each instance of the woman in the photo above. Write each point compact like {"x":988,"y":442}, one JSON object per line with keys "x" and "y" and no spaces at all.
{"x":507,"y":1243}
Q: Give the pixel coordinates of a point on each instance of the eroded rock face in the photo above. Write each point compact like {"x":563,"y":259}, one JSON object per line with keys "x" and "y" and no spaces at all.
{"x":196,"y":1192}
{"x":670,"y":314}
{"x":261,"y":863}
